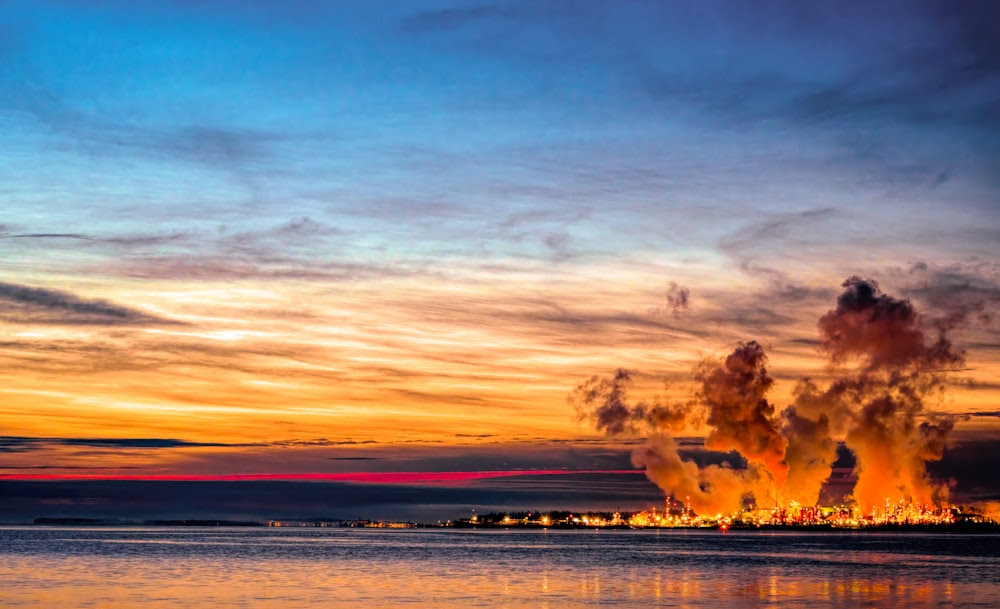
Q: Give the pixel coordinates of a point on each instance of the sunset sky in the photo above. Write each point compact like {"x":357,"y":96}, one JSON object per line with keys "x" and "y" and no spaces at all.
{"x":300,"y":237}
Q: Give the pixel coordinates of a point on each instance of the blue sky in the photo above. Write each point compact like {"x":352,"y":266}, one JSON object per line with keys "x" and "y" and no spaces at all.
{"x":528,"y":130}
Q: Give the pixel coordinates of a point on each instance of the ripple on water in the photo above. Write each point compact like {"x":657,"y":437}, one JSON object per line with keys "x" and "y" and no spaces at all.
{"x":241,"y":567}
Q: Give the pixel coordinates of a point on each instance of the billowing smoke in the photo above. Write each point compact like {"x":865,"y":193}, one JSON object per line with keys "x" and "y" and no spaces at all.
{"x":886,"y":362}
{"x":810,"y":454}
{"x":712,"y":489}
{"x":731,"y":401}
{"x":890,"y":362}
{"x":884,"y":334}
{"x":739,"y":414}
{"x":605,"y":403}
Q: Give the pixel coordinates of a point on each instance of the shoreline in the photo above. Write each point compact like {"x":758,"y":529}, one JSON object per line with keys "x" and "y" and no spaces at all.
{"x":961,"y":527}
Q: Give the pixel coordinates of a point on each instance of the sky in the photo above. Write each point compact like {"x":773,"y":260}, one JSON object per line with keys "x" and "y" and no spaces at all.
{"x":296,"y":237}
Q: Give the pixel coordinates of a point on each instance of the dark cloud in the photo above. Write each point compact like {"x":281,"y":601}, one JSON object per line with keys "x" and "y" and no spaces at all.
{"x":26,"y":444}
{"x":957,"y":294}
{"x":27,"y":304}
{"x":678,"y":298}
{"x":127,"y":240}
{"x":802,"y":340}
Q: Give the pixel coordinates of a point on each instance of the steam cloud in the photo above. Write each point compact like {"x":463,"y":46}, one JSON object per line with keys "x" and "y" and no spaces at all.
{"x":887,"y":361}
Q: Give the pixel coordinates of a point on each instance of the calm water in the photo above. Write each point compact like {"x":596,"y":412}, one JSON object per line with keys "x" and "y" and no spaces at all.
{"x":158,"y":567}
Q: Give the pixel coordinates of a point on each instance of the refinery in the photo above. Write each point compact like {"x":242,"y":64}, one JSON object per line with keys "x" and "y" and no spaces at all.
{"x":674,"y":514}
{"x":678,"y":515}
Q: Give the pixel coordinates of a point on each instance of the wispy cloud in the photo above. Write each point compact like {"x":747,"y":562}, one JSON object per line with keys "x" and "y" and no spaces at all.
{"x":47,"y":236}
{"x":13,"y":444}
{"x":28,"y":304}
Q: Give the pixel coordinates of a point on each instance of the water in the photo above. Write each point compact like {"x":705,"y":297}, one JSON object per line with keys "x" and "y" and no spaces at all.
{"x":372,"y":568}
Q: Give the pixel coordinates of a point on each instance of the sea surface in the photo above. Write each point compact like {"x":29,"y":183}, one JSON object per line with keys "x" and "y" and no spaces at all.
{"x":371,"y":568}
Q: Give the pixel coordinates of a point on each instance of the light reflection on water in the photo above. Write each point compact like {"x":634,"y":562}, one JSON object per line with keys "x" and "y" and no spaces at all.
{"x":157,"y":567}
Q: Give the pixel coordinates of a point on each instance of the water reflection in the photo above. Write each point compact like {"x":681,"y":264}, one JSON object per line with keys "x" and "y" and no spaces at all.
{"x":157,"y":568}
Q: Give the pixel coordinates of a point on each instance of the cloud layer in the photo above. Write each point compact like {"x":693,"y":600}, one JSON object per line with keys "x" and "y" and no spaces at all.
{"x":423,"y":223}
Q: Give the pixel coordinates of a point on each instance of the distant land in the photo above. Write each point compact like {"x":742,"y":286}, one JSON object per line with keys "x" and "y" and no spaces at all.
{"x":944,"y":521}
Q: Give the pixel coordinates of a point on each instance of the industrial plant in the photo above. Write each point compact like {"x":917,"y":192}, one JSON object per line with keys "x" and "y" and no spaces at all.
{"x":678,"y":515}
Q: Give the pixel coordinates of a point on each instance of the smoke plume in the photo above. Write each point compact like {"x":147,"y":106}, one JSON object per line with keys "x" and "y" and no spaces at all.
{"x":885,"y":361}
{"x":881,"y":332}
{"x":739,"y":415}
{"x":899,"y":362}
{"x":712,"y":489}
{"x":810,"y":454}
{"x":605,"y":403}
